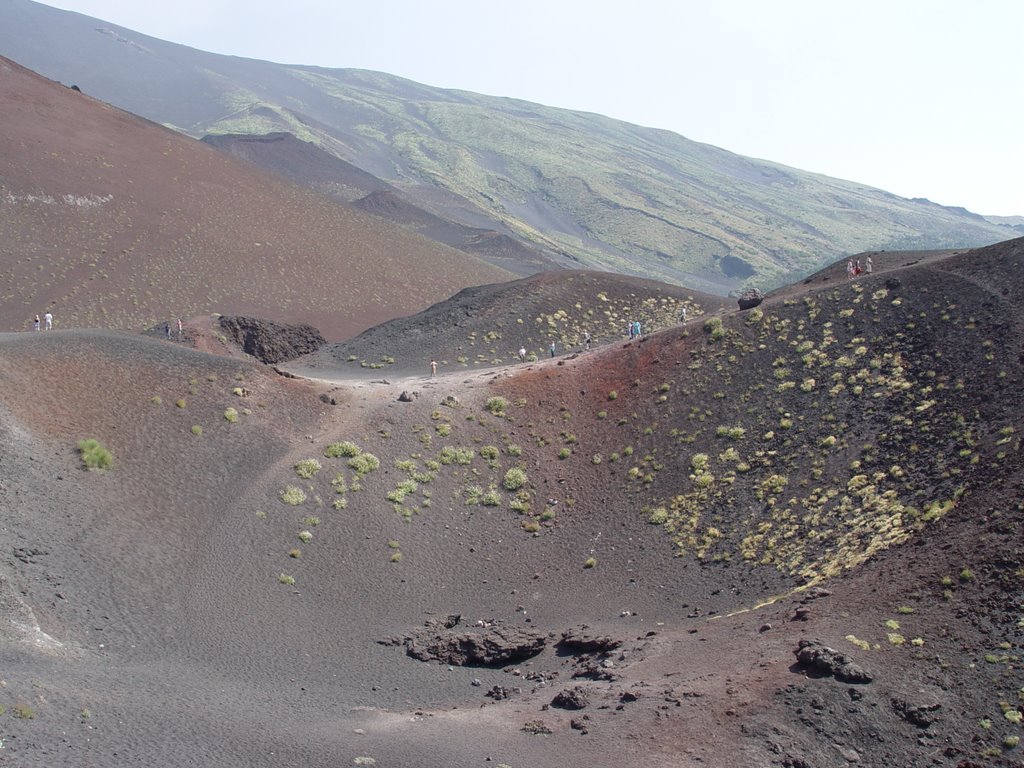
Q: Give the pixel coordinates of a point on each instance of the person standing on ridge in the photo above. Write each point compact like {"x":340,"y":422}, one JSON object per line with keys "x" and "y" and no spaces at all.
{"x":586,"y":340}
{"x":48,"y":321}
{"x":522,"y":354}
{"x":433,"y":368}
{"x":35,"y":323}
{"x":551,"y":349}
{"x":179,"y":327}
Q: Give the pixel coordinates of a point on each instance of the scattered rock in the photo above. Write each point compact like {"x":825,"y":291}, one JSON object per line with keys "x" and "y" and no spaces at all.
{"x":579,"y":725}
{"x":920,"y":714}
{"x":580,"y":641}
{"x":536,"y":728}
{"x":823,"y":660}
{"x":892,"y":283}
{"x":570,"y":698}
{"x":325,"y":398}
{"x":405,"y":397}
{"x":816,"y":593}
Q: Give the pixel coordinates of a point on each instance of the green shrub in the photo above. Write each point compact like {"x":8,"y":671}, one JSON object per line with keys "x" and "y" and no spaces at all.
{"x":231,"y":415}
{"x":305,"y":536}
{"x":564,"y":453}
{"x":307,"y":468}
{"x":658,"y":516}
{"x":491,"y":499}
{"x":590,"y":562}
{"x":364,"y":463}
{"x":342,"y":449}
{"x":713,"y":327}
{"x":197,"y":430}
{"x":94,"y":455}
{"x":496,"y":405}
{"x":473,"y":494}
{"x":292,"y":495}
{"x":515,"y":479}
{"x":284,"y":578}
{"x":450,"y":455}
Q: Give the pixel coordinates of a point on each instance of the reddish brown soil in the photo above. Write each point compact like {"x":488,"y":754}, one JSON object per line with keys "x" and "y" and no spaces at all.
{"x":165,"y":637}
{"x":111,"y":221}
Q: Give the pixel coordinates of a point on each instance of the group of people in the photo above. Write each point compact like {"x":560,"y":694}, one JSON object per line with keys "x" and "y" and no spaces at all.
{"x":46,"y":324}
{"x":167,"y":329}
{"x":856,"y":267}
{"x":553,"y":347}
{"x":634,"y":329}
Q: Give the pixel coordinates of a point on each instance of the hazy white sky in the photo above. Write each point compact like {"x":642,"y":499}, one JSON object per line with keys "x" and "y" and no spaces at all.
{"x":923,"y":98}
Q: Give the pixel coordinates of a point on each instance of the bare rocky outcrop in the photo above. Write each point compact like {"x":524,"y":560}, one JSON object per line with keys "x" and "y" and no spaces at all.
{"x":488,"y":646}
{"x":271,"y":342}
{"x":826,"y":661}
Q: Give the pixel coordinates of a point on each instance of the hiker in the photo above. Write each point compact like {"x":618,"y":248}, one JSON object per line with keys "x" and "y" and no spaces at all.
{"x":551,"y":349}
{"x":433,"y":368}
{"x":868,"y":265}
{"x":167,"y":330}
{"x":35,"y":324}
{"x":48,"y":321}
{"x":586,"y":340}
{"x":522,"y":354}
{"x":682,"y":315}
{"x":632,"y":329}
{"x":638,"y":334}
{"x":179,"y":327}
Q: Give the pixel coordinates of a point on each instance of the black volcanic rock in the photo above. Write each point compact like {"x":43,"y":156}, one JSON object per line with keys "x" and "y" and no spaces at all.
{"x":272,"y":342}
{"x":750,"y":298}
{"x":570,"y":698}
{"x":489,"y":647}
{"x":826,"y":661}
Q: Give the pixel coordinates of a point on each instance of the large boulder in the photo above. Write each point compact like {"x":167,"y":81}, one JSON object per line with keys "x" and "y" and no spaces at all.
{"x":490,"y":646}
{"x":750,"y":298}
{"x":271,"y":342}
{"x":825,"y":661}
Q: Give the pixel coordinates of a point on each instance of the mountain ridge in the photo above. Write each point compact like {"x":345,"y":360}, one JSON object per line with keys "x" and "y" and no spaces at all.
{"x":613,"y":195}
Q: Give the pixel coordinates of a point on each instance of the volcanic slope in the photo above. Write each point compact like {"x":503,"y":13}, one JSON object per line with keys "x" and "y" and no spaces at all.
{"x":112,"y":221}
{"x":840,"y":464}
{"x":487,"y":325}
{"x":306,"y":164}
